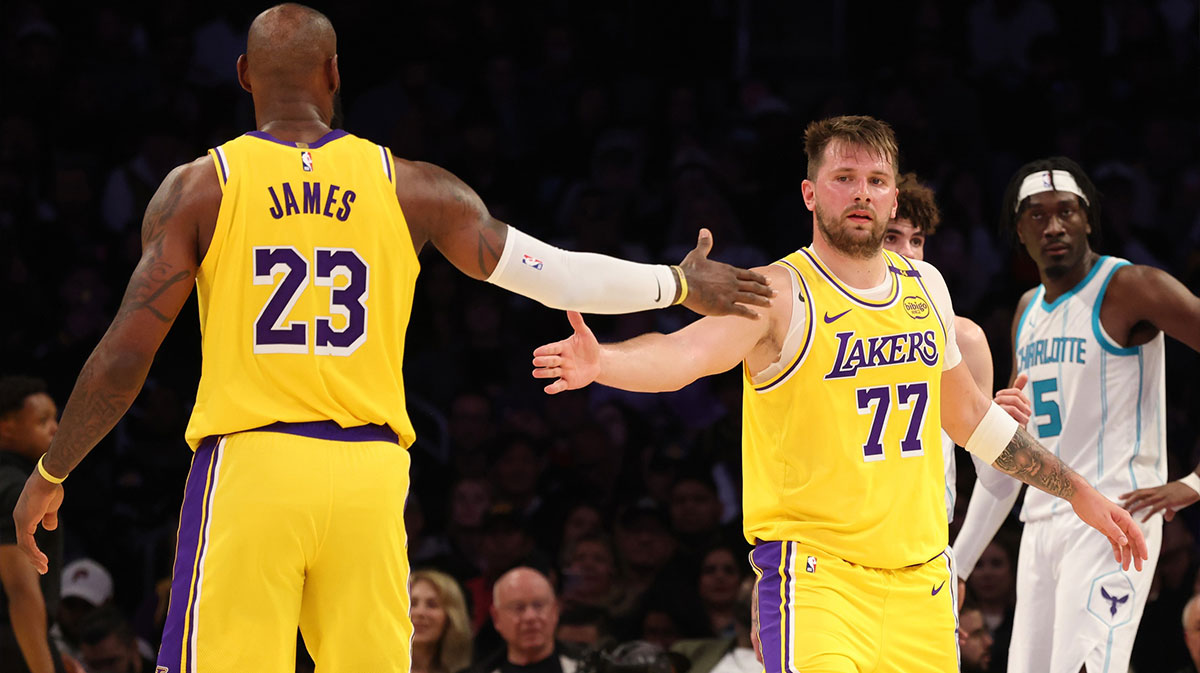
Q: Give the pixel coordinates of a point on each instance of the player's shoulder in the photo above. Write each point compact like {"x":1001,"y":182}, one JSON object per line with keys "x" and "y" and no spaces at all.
{"x":196,"y":181}
{"x":968,"y":332}
{"x":928,"y":271}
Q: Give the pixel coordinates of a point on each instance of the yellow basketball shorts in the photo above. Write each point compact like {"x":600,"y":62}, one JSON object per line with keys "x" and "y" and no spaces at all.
{"x":821,"y":614}
{"x":292,"y":525}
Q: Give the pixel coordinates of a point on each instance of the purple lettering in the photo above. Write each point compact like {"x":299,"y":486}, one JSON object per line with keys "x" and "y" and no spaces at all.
{"x":348,"y":197}
{"x":275,"y":210}
{"x":839,"y":370}
{"x":329,"y":199}
{"x":289,"y":200}
{"x":312,"y":197}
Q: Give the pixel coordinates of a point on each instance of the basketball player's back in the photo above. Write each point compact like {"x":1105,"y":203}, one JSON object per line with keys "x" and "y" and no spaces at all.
{"x":306,"y":289}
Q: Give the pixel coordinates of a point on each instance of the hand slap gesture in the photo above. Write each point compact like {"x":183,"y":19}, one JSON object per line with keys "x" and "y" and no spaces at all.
{"x":574,"y":362}
{"x":716,"y":288}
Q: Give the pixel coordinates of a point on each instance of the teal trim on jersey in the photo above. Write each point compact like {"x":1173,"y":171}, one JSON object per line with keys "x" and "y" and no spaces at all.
{"x":1137,"y":444}
{"x":1113,"y":627}
{"x":1103,"y":414}
{"x":1050,"y":306}
{"x":1158,"y":435}
{"x":1105,"y":342}
{"x":1025,"y":316}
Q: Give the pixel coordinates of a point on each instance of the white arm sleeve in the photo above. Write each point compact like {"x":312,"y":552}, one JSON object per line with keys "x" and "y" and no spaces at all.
{"x":580,"y":281}
{"x":985,"y":514}
{"x":935,"y":285}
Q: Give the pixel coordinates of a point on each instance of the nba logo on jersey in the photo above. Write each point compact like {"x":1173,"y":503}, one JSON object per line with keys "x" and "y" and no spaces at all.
{"x":306,"y":161}
{"x":532,"y":261}
{"x":812,"y":564}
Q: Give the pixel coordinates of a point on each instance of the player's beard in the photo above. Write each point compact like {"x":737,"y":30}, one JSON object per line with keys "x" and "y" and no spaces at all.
{"x":837,"y":232}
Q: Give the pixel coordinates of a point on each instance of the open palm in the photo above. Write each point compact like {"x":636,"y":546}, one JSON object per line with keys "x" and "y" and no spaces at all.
{"x":573,"y":362}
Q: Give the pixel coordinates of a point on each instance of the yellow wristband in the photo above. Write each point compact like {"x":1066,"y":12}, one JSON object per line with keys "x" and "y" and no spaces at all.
{"x":46,"y":475}
{"x":682,"y":284}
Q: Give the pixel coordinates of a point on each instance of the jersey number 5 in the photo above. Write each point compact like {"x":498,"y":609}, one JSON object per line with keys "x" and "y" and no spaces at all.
{"x":274,"y":333}
{"x":1046,"y":407}
{"x":878,"y":401}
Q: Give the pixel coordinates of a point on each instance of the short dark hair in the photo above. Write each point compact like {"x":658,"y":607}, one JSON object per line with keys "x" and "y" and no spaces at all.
{"x":859,"y":130}
{"x":103,"y":622}
{"x":915,"y":202}
{"x":15,"y":389}
{"x":1010,"y":209}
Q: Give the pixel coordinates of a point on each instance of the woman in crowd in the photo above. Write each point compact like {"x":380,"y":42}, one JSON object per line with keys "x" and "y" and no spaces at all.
{"x":441,"y":640}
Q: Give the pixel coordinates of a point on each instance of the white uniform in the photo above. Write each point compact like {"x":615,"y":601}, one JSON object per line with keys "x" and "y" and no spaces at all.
{"x":1098,"y":407}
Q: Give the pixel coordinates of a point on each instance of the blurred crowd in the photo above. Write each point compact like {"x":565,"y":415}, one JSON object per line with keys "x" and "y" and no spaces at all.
{"x":608,"y":127}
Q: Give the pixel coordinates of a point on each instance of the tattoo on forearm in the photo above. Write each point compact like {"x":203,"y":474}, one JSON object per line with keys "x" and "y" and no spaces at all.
{"x":1026,"y":460}
{"x":146,"y":286}
{"x":95,"y":406}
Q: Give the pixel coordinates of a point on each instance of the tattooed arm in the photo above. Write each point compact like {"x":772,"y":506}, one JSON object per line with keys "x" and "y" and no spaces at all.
{"x":964,"y":406}
{"x":441,"y":209}
{"x":175,"y":233}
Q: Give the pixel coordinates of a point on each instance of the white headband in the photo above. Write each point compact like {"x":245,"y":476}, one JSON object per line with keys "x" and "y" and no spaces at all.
{"x":1048,"y":181}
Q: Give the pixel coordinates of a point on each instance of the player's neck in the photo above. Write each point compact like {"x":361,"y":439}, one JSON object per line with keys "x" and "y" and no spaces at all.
{"x":1058,"y":284}
{"x":292,"y":121}
{"x":859,"y":273}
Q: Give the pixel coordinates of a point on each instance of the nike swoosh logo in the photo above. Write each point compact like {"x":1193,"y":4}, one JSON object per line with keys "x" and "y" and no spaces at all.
{"x":939,"y":588}
{"x":829,"y":320}
{"x":658,"y":287}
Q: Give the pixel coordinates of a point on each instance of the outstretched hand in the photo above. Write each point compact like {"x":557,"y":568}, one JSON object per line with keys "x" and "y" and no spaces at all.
{"x":1168,"y":499}
{"x":38,"y":504}
{"x":1013,"y":401}
{"x":716,"y":288}
{"x":574,"y":362}
{"x":1118,"y":526}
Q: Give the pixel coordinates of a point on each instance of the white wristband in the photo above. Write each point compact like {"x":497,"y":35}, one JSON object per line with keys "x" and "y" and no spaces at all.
{"x":580,"y":281}
{"x":993,"y":434}
{"x":1192,"y":481}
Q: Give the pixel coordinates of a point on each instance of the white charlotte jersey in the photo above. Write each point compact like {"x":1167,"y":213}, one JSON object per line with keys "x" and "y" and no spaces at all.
{"x":1096,"y":405}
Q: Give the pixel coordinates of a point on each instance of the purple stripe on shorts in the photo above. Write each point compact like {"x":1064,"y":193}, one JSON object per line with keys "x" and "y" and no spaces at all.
{"x":332,"y":431}
{"x":187,"y":550}
{"x":768,"y":557}
{"x":328,"y":137}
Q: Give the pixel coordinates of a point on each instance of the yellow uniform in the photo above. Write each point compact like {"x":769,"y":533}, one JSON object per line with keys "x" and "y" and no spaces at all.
{"x":843,"y":479}
{"x":293,"y":509}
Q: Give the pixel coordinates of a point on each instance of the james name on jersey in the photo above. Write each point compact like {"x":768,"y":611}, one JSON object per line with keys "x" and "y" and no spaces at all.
{"x":312,"y":203}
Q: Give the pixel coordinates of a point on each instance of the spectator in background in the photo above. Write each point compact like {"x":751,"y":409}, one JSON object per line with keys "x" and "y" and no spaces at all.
{"x":720,"y":578}
{"x":733,"y":653}
{"x":86,"y":586}
{"x":589,"y":574}
{"x":1191,"y":633}
{"x":974,"y":641}
{"x":695,"y":511}
{"x":644,"y":544}
{"x":108,"y":644}
{"x":28,"y":602}
{"x":584,"y":627}
{"x":993,"y":587}
{"x":441,"y":640}
{"x":525,"y":612}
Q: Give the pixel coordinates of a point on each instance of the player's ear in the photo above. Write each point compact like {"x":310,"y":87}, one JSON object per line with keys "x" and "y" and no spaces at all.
{"x":334,"y":77}
{"x":243,"y":73}
{"x":809,"y":190}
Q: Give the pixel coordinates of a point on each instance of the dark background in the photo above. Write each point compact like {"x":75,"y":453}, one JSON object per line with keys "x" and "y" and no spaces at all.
{"x":618,"y":127}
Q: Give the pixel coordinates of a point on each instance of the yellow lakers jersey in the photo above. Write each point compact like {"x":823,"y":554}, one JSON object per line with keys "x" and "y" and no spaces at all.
{"x":841,"y":448}
{"x":306,"y":290}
